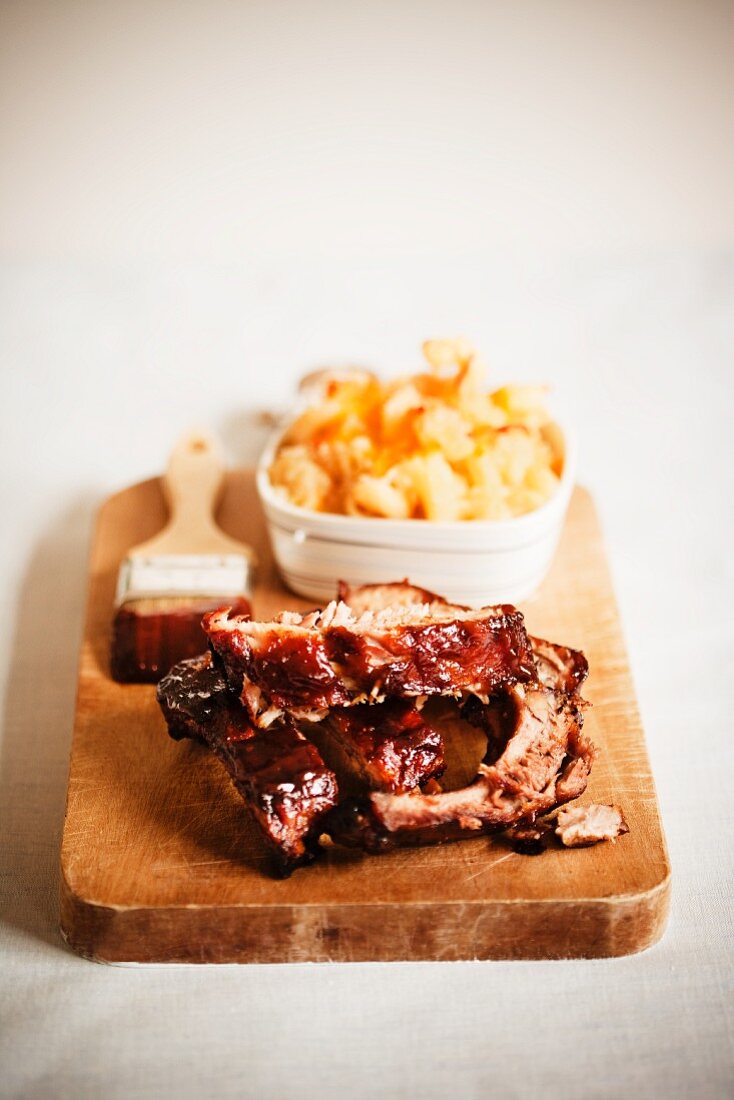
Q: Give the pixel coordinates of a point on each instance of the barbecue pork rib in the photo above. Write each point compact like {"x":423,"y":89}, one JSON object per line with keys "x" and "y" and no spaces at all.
{"x":556,"y":665}
{"x":279,"y":774}
{"x":361,"y":669}
{"x":302,"y":665}
{"x":544,"y":762}
{"x":536,"y":758}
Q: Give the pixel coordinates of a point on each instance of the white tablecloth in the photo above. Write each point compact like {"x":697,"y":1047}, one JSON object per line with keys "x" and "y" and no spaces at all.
{"x":101,"y":369}
{"x":552,"y":180}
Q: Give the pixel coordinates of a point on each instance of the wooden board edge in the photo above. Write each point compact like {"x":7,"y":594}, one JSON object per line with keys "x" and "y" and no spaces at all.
{"x":577,"y":928}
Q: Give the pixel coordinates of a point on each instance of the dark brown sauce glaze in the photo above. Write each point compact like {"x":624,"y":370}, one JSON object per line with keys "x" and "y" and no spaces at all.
{"x":193,"y":695}
{"x":295,"y":671}
{"x":391,"y":745}
{"x":437,"y":658}
{"x":287,"y":786}
{"x":280,"y":775}
{"x":334,"y":666}
{"x":146,"y":645}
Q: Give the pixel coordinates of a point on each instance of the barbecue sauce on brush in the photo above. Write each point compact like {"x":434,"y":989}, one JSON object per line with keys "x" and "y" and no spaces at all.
{"x":145,"y":646}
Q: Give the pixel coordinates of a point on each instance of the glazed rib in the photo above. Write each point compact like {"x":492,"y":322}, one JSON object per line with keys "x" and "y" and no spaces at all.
{"x":304,"y":665}
{"x":361,"y":668}
{"x":390,"y":744}
{"x":544,"y":762}
{"x":279,"y":774}
{"x":557,"y":666}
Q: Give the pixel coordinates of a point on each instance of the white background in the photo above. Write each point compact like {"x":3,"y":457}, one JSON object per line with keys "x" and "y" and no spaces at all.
{"x":200,"y":201}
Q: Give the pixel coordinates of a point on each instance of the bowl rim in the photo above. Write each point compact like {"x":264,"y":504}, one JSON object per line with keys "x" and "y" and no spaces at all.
{"x":270,"y":498}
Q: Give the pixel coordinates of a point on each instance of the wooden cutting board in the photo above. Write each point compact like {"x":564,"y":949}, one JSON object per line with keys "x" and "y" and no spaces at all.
{"x":161,"y":864}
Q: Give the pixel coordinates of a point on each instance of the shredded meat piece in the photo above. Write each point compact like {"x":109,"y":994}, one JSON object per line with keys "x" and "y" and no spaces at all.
{"x":559,"y":666}
{"x":579,"y":826}
{"x":304,"y":665}
{"x":279,"y":774}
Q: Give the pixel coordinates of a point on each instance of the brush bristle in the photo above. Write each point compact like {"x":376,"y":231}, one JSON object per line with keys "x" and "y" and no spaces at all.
{"x":150,"y":636}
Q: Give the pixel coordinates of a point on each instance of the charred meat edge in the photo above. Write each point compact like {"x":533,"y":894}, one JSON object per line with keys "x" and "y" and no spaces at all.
{"x":279,"y":774}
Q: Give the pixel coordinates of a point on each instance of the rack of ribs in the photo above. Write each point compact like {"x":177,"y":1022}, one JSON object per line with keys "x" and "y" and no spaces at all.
{"x":356,"y":674}
{"x":304,"y":665}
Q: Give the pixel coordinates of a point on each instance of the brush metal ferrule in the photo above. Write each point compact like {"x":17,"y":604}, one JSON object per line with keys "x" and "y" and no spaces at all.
{"x":161,"y":576}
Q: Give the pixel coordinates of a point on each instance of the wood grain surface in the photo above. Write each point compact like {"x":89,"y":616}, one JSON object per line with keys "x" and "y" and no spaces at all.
{"x":161,"y":864}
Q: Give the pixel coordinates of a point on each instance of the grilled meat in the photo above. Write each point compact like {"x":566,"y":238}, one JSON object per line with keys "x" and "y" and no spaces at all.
{"x":545,"y":762}
{"x":280,"y":775}
{"x":357,"y":673}
{"x":391,"y":746}
{"x":304,"y":665}
{"x":557,"y":666}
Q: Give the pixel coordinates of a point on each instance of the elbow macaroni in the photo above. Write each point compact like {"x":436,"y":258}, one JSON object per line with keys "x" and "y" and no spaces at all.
{"x":432,"y":446}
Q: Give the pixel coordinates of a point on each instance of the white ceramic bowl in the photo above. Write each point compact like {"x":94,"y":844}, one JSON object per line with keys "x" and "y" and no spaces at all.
{"x":475,"y":562}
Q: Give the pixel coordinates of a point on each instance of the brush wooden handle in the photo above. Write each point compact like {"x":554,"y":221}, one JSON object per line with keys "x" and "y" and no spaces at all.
{"x":192,"y":485}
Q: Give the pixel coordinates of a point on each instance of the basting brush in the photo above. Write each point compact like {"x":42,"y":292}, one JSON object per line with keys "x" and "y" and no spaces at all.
{"x":166,"y":584}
